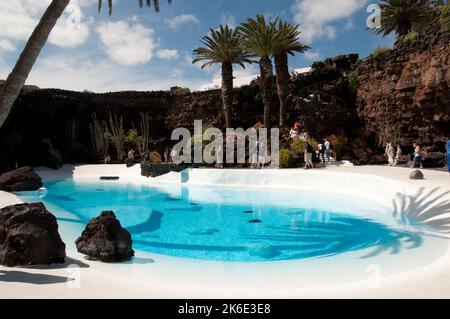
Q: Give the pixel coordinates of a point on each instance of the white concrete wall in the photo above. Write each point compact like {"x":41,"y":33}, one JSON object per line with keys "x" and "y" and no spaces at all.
{"x":374,"y":188}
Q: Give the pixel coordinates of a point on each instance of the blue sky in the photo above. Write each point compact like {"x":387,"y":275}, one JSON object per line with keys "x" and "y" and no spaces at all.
{"x":138,"y":49}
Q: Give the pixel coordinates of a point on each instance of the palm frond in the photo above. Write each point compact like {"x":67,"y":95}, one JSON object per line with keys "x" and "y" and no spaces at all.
{"x":402,"y":16}
{"x":148,"y":3}
{"x":288,"y":39}
{"x":220,"y":46}
{"x":258,"y":36}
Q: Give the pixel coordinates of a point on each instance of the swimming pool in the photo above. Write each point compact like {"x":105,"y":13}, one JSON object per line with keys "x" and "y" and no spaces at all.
{"x":237,"y":224}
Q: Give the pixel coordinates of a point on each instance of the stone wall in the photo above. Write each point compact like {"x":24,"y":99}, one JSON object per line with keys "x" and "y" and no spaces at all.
{"x":63,"y":117}
{"x":404,"y":94}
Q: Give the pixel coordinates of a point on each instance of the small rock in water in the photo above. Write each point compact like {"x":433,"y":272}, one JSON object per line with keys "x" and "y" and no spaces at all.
{"x":416,"y":175}
{"x":249,"y":212}
{"x":255,"y":221}
{"x":204,"y":232}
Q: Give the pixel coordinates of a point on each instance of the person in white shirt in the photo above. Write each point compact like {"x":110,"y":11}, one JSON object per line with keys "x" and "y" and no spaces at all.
{"x":294,"y":134}
{"x":390,"y":152}
{"x":327,"y":150}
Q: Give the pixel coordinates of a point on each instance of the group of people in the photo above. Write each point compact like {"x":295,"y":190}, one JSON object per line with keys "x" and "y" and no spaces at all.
{"x":393,"y":154}
{"x":323,"y":148}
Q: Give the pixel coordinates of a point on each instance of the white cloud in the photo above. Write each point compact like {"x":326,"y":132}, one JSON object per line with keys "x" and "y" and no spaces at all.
{"x":80,"y":73}
{"x":177,"y":73}
{"x":312,"y":56}
{"x":229,"y":19}
{"x":19,"y":18}
{"x":166,"y":54}
{"x":316,"y":17}
{"x":6,"y":45}
{"x":176,"y":22}
{"x":127,"y":44}
{"x":71,"y":30}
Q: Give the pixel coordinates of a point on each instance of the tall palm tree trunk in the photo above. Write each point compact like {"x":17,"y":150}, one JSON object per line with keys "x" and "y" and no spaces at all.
{"x":227,"y":91}
{"x":266,"y":86}
{"x":283,"y":77}
{"x":16,"y":79}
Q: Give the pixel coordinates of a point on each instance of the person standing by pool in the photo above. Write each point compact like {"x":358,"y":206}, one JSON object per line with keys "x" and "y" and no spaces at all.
{"x":219,"y":156}
{"x":262,"y":153}
{"x":398,"y":155}
{"x":131,"y":155}
{"x":390,"y":152}
{"x":417,"y":161}
{"x":253,"y":154}
{"x":321,"y":147}
{"x":448,"y":155}
{"x":308,"y":156}
{"x":327,"y":149}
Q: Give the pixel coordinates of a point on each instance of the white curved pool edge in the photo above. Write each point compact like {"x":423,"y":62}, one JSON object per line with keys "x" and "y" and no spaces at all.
{"x":386,"y":186}
{"x":432,"y":280}
{"x":352,"y":183}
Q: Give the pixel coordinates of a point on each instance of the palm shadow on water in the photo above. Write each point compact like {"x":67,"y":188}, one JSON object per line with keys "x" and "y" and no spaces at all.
{"x":302,"y":240}
{"x":429,"y":208}
{"x":337,"y":236}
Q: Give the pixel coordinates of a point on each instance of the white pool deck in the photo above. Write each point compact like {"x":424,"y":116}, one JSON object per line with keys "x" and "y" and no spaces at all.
{"x":428,"y":199}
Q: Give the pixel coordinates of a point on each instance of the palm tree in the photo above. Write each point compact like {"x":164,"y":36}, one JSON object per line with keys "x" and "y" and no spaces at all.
{"x":16,"y":79}
{"x":402,"y":15}
{"x":258,"y":38}
{"x":288,"y":44}
{"x":222,"y":46}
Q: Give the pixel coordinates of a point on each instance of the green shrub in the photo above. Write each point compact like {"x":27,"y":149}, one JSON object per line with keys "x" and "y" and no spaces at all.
{"x":155,"y":157}
{"x":322,"y":70}
{"x":411,"y":36}
{"x":318,"y":65}
{"x":287,"y":159}
{"x":131,"y":137}
{"x":178,"y":91}
{"x":380,"y":51}
{"x":298,"y":147}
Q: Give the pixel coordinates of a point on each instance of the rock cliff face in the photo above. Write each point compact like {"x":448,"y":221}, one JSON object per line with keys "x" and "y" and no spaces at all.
{"x":404,"y":94}
{"x":63,"y":118}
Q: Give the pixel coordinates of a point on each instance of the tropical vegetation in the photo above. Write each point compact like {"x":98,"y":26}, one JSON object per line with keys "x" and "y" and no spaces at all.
{"x":287,"y":43}
{"x":405,"y":16}
{"x":222,"y":46}
{"x":259,"y":38}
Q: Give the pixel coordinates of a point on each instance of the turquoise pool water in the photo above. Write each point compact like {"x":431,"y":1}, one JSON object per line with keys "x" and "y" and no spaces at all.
{"x":234,"y":224}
